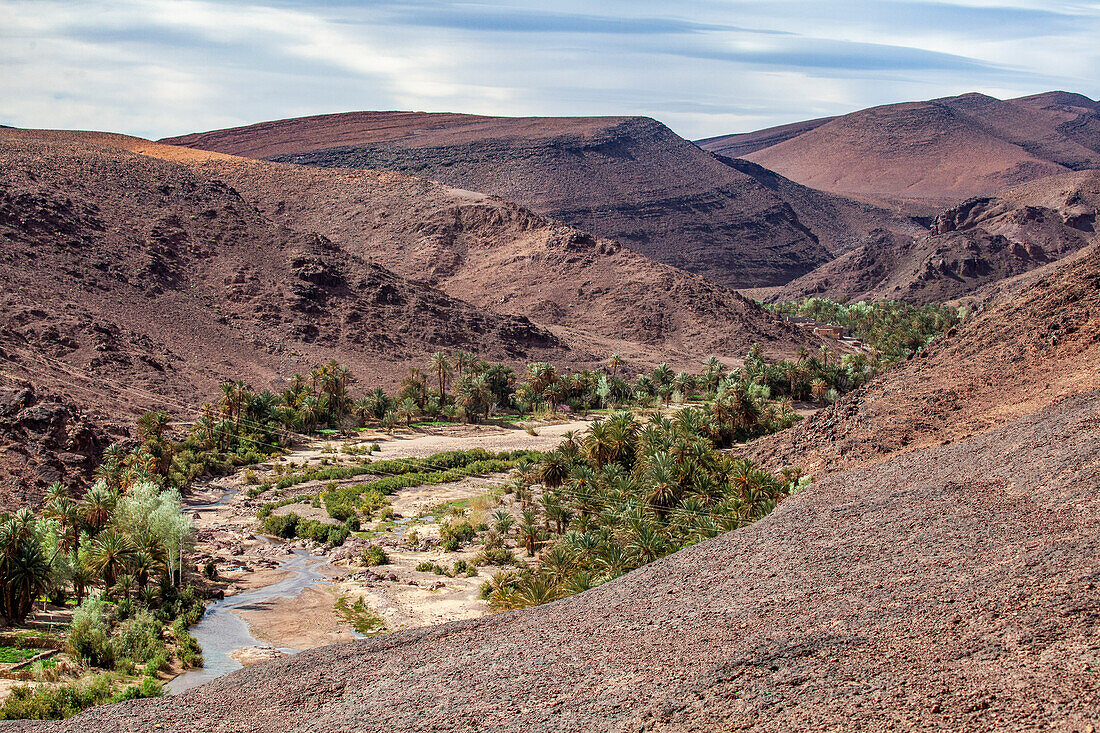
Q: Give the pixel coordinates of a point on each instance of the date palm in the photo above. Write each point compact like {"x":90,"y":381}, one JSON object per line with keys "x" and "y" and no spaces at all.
{"x":441,"y":367}
{"x":614,"y":364}
{"x":109,"y":555}
{"x":98,"y":506}
{"x":530,"y":533}
{"x":503,"y":521}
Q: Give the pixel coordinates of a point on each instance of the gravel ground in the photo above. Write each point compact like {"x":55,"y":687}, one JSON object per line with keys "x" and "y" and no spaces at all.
{"x":953,"y":588}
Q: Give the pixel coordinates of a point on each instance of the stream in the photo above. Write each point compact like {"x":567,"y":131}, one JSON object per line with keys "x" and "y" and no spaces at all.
{"x":220,"y":631}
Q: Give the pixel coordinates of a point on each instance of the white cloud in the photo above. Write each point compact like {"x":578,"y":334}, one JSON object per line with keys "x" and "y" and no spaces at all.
{"x":161,"y":67}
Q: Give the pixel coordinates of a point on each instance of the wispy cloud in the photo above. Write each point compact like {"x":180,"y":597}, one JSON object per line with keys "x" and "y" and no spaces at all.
{"x":160,"y":67}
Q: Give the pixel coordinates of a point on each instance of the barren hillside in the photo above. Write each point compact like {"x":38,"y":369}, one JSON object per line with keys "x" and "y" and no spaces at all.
{"x":628,"y":179}
{"x":1031,"y":347}
{"x":947,"y":580}
{"x":924,"y":155}
{"x":978,"y":242}
{"x":130,"y":282}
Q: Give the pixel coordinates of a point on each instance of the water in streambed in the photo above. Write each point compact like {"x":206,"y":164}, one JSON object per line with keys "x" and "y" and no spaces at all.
{"x":221,"y":632}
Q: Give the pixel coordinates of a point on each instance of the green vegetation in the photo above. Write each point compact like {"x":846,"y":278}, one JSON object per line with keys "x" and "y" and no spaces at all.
{"x":345,"y":503}
{"x":892,"y":327}
{"x":117,"y":553}
{"x":623,"y":495}
{"x":373,"y":556}
{"x":47,"y":702}
{"x":14,"y":655}
{"x":360,"y":616}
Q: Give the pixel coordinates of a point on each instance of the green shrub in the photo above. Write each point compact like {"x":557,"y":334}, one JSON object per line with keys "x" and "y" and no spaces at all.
{"x":461,"y":532}
{"x":158,"y":662}
{"x":374,"y":555}
{"x":495,"y":556}
{"x":139,"y":638}
{"x":282,"y":525}
{"x":88,"y":639}
{"x":187,"y":649}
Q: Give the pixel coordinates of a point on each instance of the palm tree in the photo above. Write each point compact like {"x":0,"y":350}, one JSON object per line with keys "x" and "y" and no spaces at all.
{"x":614,"y":364}
{"x":24,"y":568}
{"x":537,"y":589}
{"x":442,"y":368}
{"x":98,"y":506}
{"x":462,"y":361}
{"x":109,"y":555}
{"x":503,"y":521}
{"x":530,"y":533}
{"x":645,"y":545}
{"x":819,"y":387}
{"x":662,"y":375}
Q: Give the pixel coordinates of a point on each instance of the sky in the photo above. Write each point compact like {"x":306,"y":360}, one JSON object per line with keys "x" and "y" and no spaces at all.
{"x":157,"y":68}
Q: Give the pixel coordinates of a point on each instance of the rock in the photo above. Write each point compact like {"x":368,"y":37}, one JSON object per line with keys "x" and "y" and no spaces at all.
{"x":250,"y":655}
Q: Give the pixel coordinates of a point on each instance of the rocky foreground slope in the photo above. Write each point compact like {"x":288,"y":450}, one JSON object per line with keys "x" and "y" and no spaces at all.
{"x":946,"y":579}
{"x":630,"y":179}
{"x":925,"y":155}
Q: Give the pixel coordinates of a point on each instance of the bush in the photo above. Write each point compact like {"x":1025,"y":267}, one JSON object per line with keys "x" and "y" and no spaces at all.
{"x":157,"y":663}
{"x":210,"y":570}
{"x":456,"y":534}
{"x":374,"y":555}
{"x":55,"y":703}
{"x":282,"y":525}
{"x":187,"y":649}
{"x":148,"y":687}
{"x":352,"y":523}
{"x":88,"y":639}
{"x":140,"y":637}
{"x":496,"y":556}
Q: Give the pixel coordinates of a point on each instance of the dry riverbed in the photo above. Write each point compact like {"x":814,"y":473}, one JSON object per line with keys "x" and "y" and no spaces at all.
{"x":396,"y":594}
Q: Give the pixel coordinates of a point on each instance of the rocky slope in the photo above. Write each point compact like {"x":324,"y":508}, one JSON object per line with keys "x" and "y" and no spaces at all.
{"x":44,"y":438}
{"x":1024,"y":349}
{"x":628,"y":179}
{"x":925,"y":155}
{"x":940,"y":574}
{"x":155,"y":276}
{"x":508,"y":259}
{"x":130,"y":282}
{"x":981,"y":241}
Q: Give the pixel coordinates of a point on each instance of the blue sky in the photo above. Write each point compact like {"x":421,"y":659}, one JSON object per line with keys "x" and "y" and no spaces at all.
{"x":163,"y":67}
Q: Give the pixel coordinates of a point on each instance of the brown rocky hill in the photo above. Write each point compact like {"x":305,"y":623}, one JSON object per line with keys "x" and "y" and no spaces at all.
{"x":978,"y":242}
{"x":1025,"y":348}
{"x":630,"y":179}
{"x":155,"y":276}
{"x":925,"y":155}
{"x":506,"y":258}
{"x":940,"y":574}
{"x":130,"y":282}
{"x":740,"y":144}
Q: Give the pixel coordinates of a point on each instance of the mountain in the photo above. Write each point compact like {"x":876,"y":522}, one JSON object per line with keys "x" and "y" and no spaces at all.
{"x":926,"y":155}
{"x":939,"y":574}
{"x":138,"y":275}
{"x":740,"y":144}
{"x":131,"y":282}
{"x":980,"y":241}
{"x":630,"y":179}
